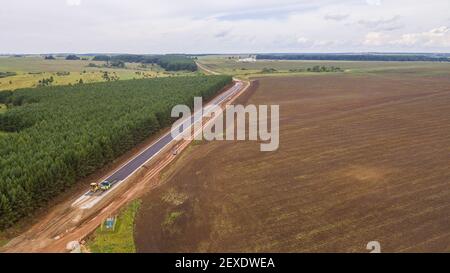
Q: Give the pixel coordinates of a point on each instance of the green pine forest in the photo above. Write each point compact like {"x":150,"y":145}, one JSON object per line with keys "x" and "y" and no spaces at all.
{"x":50,"y":137}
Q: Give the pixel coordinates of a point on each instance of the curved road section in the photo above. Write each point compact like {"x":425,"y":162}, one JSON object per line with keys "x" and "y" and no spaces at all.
{"x":89,"y":199}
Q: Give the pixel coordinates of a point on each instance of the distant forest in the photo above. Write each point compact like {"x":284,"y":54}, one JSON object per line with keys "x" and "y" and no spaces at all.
{"x":7,"y":74}
{"x":357,"y":57}
{"x":168,"y":62}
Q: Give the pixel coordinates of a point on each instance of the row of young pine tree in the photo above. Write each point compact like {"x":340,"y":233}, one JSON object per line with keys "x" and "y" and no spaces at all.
{"x":53,"y":136}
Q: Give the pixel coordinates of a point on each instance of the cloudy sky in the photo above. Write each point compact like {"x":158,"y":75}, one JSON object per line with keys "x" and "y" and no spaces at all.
{"x":224,"y":26}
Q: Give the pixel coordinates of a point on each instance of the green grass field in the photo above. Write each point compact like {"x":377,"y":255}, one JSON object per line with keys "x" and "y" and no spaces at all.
{"x":31,"y":69}
{"x":225,"y":65}
{"x":120,"y":240}
{"x":34,"y":68}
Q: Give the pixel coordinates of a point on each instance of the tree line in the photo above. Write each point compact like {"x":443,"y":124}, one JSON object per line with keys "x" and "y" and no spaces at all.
{"x":168,"y":62}
{"x":355,"y":57}
{"x":59,"y":134}
{"x":7,"y":74}
{"x":72,"y":57}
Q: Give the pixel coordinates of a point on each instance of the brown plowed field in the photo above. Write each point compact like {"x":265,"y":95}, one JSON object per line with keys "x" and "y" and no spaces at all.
{"x":361,"y":158}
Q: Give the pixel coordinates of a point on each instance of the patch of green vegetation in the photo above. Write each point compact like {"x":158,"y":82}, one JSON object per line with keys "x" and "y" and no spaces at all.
{"x":63,"y":73}
{"x":171,"y":218}
{"x":177,"y":62}
{"x":121,"y":240}
{"x":174,"y":197}
{"x":268,"y":70}
{"x":319,"y":69}
{"x":46,"y":82}
{"x":72,"y":58}
{"x":314,"y":69}
{"x":168,"y":62}
{"x":170,"y":225}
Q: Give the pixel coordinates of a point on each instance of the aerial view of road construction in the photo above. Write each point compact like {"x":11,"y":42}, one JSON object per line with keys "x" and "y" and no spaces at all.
{"x":225,"y":135}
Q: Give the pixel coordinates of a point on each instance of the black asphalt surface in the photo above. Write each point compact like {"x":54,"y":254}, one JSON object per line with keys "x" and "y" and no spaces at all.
{"x":152,"y":150}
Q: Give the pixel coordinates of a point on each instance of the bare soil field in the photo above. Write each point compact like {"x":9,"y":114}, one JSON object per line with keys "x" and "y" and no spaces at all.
{"x":362,"y":158}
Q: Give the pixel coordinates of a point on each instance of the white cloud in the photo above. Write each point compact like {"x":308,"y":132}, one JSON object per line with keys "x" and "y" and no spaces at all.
{"x":303,"y":40}
{"x":437,"y":37}
{"x":374,"y":2}
{"x":440,"y":31}
{"x":388,"y":24}
{"x":232,"y":26}
{"x":376,"y":39}
{"x":73,"y":2}
{"x":336,"y":17}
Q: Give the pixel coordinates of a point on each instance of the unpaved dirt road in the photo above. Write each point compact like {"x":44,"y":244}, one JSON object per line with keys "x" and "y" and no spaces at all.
{"x":75,"y":219}
{"x":207,"y":70}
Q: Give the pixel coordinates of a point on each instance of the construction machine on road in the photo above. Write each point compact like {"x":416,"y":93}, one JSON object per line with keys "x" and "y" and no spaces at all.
{"x":102,"y":186}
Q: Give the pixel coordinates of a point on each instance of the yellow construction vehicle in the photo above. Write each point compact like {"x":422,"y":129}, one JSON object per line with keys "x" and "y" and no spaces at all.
{"x":103,"y":186}
{"x":94,"y":187}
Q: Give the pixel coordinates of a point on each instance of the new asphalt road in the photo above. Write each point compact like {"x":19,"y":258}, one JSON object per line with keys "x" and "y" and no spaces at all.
{"x":154,"y":149}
